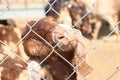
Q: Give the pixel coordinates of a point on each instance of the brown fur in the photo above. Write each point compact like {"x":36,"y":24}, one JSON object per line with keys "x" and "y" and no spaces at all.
{"x":8,"y":22}
{"x":60,"y":13}
{"x":38,"y":49}
{"x":70,"y":14}
{"x":77,"y":11}
{"x":13,"y":66}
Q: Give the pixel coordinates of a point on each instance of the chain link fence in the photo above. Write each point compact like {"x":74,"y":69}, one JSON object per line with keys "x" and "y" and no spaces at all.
{"x":102,"y":54}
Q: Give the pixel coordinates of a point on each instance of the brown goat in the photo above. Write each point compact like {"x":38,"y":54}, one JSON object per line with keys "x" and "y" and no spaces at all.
{"x":47,"y":33}
{"x":13,"y":66}
{"x":73,"y":11}
{"x":77,"y":11}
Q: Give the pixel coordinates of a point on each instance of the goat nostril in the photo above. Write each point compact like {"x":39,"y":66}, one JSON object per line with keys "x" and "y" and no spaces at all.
{"x":41,"y":79}
{"x":61,"y":37}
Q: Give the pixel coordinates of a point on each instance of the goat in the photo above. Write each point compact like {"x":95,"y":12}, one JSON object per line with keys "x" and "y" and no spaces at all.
{"x":50,"y":40}
{"x":9,"y":36}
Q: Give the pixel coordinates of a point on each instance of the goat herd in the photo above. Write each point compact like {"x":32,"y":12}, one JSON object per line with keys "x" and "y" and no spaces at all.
{"x":53,"y":43}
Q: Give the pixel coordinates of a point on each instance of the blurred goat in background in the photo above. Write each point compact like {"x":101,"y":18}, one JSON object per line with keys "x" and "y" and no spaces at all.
{"x":70,"y":13}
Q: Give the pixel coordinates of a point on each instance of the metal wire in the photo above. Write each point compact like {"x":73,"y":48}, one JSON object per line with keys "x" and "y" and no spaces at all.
{"x":94,"y":47}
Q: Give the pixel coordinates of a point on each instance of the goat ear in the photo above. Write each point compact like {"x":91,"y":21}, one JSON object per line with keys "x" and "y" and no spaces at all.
{"x":80,"y":56}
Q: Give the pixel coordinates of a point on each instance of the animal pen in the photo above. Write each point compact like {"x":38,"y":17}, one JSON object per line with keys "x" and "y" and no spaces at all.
{"x":40,"y":42}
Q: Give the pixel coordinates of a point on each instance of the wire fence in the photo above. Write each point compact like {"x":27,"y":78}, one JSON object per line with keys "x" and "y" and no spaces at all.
{"x":107,"y":63}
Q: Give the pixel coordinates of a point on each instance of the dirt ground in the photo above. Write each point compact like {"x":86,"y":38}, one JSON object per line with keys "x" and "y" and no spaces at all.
{"x":104,"y":58}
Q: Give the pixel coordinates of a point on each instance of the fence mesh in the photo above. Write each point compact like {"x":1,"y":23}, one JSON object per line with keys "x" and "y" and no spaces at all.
{"x":102,"y":54}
